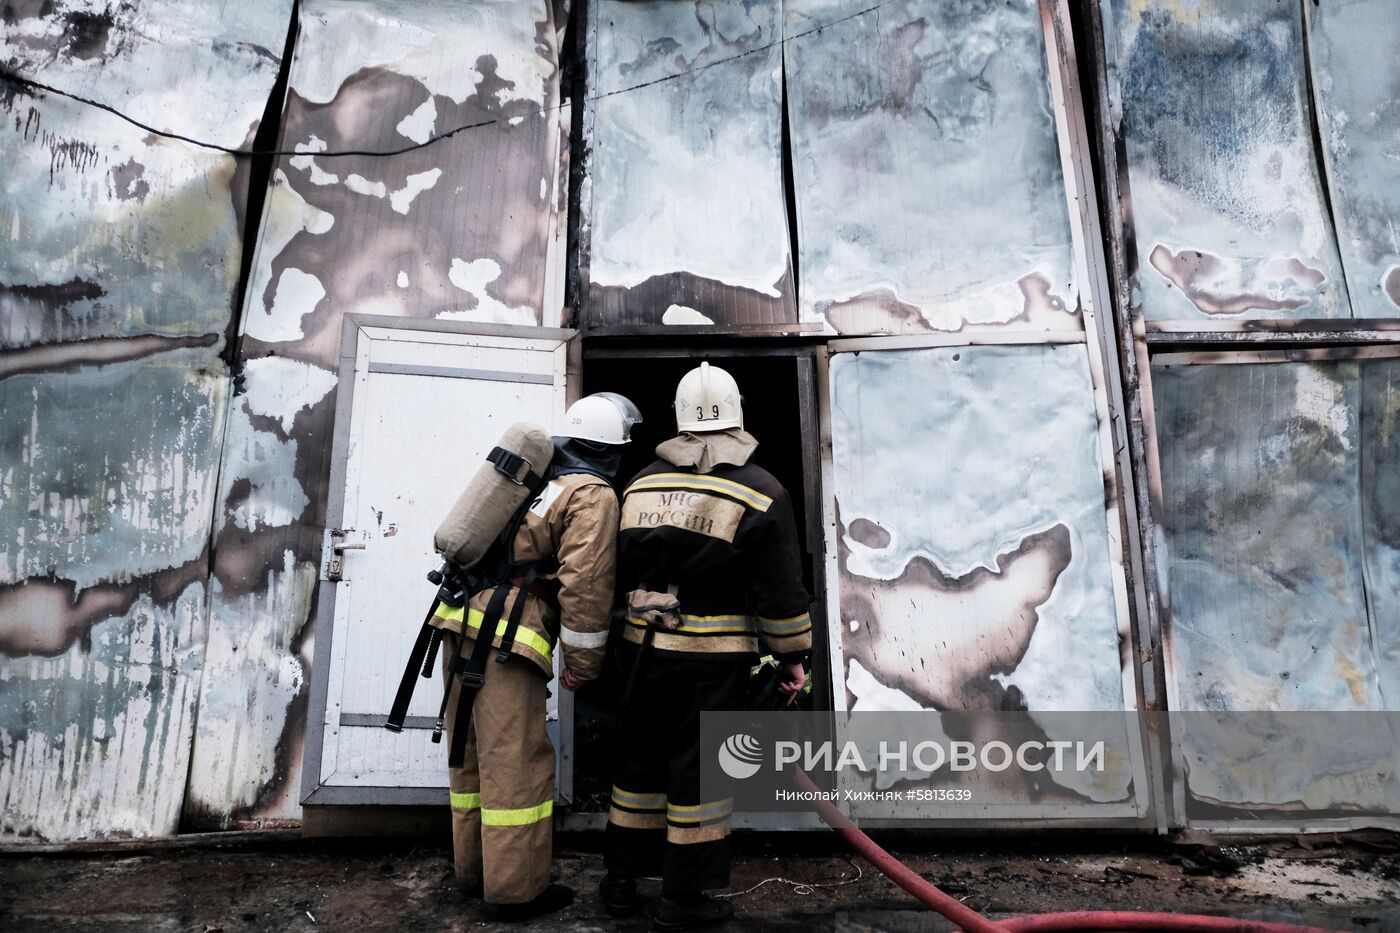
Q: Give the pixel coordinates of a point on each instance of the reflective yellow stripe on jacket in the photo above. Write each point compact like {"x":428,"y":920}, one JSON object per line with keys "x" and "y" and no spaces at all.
{"x":474,"y":618}
{"x":750,"y":497}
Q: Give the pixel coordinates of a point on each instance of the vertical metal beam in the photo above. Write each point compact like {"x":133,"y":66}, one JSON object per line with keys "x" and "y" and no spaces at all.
{"x":1103,"y":346}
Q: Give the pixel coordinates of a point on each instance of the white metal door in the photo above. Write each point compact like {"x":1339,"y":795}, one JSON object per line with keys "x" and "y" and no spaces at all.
{"x":424,"y":409}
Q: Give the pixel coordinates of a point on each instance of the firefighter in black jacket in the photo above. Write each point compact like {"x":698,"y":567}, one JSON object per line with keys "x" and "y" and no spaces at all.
{"x":708,"y":568}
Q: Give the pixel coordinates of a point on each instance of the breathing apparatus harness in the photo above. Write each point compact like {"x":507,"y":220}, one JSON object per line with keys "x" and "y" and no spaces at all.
{"x":497,"y":569}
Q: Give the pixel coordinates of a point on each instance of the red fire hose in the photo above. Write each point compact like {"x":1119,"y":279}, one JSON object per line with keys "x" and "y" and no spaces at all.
{"x":971,"y":921}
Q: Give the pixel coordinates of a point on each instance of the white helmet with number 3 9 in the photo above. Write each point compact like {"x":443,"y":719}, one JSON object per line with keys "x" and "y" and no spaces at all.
{"x":708,"y":399}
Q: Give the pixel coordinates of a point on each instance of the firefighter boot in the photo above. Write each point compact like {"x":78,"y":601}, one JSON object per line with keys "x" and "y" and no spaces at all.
{"x":555,"y":897}
{"x":691,"y":912}
{"x":618,"y":893}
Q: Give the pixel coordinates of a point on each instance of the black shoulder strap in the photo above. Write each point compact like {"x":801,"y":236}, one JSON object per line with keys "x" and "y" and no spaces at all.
{"x":513,"y":467}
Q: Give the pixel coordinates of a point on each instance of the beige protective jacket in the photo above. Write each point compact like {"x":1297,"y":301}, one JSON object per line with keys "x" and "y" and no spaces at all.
{"x":573,"y":524}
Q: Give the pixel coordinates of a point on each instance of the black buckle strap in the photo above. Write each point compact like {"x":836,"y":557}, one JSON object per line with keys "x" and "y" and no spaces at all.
{"x":419,"y":657}
{"x":513,"y":467}
{"x":472,"y":675}
{"x":516,"y":611}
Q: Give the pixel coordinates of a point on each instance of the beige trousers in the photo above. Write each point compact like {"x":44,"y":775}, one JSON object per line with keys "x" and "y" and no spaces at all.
{"x":503,"y":795}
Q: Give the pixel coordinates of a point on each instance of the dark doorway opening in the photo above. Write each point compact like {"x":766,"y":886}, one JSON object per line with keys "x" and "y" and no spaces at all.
{"x":772,"y":413}
{"x":780,"y":410}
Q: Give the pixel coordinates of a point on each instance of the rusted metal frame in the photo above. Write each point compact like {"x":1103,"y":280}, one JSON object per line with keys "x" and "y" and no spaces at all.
{"x":1309,"y":355}
{"x":1150,"y":590}
{"x":214,"y":840}
{"x":807,"y":406}
{"x":594,"y":350}
{"x":353,"y":328}
{"x":1310,"y":333}
{"x":1106,"y":369}
{"x":698,"y":330}
{"x":1281,"y":828}
{"x":831,"y":531}
{"x":968,"y":337}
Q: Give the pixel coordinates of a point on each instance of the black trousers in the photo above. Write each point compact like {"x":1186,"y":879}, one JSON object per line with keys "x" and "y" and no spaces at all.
{"x":656,"y":816}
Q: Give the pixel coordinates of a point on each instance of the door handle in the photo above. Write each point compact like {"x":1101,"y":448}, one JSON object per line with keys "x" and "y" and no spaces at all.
{"x":335,"y":546}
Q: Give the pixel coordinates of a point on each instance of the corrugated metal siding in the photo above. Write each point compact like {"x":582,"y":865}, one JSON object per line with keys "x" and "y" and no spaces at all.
{"x":1228,"y":210}
{"x":1355,"y":56}
{"x":929,"y":189}
{"x":458,"y":229}
{"x":684,"y":205}
{"x":117,"y":280}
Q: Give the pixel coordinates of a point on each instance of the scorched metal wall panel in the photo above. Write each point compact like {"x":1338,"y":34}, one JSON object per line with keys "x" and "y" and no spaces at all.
{"x":456,"y":228}
{"x":1282,"y":575}
{"x":929,"y":189}
{"x":684,"y":203}
{"x":1355,"y":56}
{"x":118,"y":269}
{"x":974,"y":568}
{"x":1228,"y":211}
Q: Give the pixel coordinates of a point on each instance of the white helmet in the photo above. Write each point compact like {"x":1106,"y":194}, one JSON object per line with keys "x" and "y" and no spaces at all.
{"x":604,"y":417}
{"x":708,"y":399}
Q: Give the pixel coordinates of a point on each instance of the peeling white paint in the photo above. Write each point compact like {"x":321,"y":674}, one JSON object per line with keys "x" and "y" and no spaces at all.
{"x":1325,"y":402}
{"x":285,"y":214}
{"x":319,"y":176}
{"x":276,"y":387}
{"x":96,"y":741}
{"x":418,"y":125}
{"x":414,"y":185}
{"x":680,"y":314}
{"x":266,"y":465}
{"x":297,"y":295}
{"x":410,"y":43}
{"x":403,"y":279}
{"x":252,"y":676}
{"x":474,"y":278}
{"x":361,"y":185}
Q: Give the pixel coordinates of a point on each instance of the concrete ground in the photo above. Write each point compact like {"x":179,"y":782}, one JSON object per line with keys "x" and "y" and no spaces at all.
{"x":313,"y":885}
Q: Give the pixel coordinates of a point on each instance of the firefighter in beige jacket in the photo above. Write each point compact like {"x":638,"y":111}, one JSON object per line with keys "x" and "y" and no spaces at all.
{"x":503,"y":795}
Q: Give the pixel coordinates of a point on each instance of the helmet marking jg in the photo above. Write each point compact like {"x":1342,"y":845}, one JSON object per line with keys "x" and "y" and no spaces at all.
{"x":603,"y":417}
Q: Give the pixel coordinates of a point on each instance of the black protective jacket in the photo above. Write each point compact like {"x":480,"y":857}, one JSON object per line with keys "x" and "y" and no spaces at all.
{"x":726,"y":543}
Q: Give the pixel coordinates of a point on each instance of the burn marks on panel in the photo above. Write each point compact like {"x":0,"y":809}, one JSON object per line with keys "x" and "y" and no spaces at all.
{"x":95,"y":740}
{"x":1230,"y":219}
{"x":1356,"y":82}
{"x":974,"y":557}
{"x":929,"y":190}
{"x":1380,"y":517}
{"x":457,"y":228}
{"x":117,"y":278}
{"x":684,"y":200}
{"x":954,"y":669}
{"x":974,"y":564}
{"x":1261,"y":512}
{"x":201,"y":70}
{"x":1278,"y":483}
